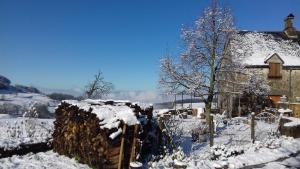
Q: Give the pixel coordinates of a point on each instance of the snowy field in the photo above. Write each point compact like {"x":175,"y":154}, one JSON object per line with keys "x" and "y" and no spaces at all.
{"x":25,"y":100}
{"x":16,"y":131}
{"x":232,"y":147}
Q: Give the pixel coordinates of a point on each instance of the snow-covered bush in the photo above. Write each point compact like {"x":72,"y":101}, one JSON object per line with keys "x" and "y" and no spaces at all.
{"x":221,"y":152}
{"x":32,"y":112}
{"x":174,"y":129}
{"x":200,"y":133}
{"x":37,"y":110}
{"x":177,"y":157}
{"x":272,"y":141}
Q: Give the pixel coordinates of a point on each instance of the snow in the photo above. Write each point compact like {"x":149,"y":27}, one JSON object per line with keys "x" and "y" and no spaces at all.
{"x":161,"y":111}
{"x":200,"y":111}
{"x":284,"y":110}
{"x":136,"y":164}
{"x":5,"y":116}
{"x":47,"y":159}
{"x":179,"y":163}
{"x":115,"y":134}
{"x":294,"y":122}
{"x":257,"y":47}
{"x":265,"y":155}
{"x":233,"y":147}
{"x":108,"y":115}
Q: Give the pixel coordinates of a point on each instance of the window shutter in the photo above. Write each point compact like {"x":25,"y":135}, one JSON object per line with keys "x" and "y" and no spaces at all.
{"x":274,"y":70}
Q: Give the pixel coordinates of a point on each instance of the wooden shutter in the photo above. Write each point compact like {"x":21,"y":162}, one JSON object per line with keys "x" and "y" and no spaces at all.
{"x":274,"y":70}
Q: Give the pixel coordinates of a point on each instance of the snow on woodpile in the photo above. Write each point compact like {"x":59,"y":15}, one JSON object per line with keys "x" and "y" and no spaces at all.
{"x":93,"y":131}
{"x":293,"y":122}
{"x":109,"y":115}
{"x":256,"y":47}
{"x":290,"y":126}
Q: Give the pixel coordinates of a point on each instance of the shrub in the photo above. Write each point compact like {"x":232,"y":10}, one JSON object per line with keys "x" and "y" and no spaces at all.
{"x":61,"y":96}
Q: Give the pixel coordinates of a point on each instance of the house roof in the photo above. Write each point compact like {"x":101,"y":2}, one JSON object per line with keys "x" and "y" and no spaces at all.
{"x":278,"y":35}
{"x":256,"y":47}
{"x":274,"y":55}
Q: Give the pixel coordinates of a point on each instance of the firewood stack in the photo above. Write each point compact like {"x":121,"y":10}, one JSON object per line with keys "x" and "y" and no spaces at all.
{"x":102,"y":134}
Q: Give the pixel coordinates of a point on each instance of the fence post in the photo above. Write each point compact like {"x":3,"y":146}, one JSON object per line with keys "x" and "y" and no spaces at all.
{"x":211,"y":130}
{"x":133,"y":149}
{"x":121,"y":155}
{"x":252,"y":127}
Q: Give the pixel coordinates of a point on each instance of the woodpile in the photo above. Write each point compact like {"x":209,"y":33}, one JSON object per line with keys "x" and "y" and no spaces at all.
{"x":95,"y":133}
{"x":289,"y":126}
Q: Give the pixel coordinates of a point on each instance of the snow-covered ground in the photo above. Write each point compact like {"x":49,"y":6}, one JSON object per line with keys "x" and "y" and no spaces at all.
{"x":25,"y":100}
{"x":232,"y":146}
{"x":16,"y":131}
{"x":47,"y":159}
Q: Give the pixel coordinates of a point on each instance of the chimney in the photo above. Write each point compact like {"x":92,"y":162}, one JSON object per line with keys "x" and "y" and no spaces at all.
{"x":289,"y":29}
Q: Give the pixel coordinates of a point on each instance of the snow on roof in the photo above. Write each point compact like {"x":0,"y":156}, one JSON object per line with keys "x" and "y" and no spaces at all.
{"x":109,"y":115}
{"x":258,"y":46}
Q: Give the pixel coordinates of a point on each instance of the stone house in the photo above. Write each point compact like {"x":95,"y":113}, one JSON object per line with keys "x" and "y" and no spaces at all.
{"x":275,"y":56}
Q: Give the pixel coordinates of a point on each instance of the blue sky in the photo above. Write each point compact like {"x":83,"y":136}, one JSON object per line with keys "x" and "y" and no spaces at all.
{"x":61,"y":44}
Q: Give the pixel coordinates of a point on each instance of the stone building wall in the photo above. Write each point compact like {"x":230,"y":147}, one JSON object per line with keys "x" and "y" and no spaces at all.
{"x":281,"y":86}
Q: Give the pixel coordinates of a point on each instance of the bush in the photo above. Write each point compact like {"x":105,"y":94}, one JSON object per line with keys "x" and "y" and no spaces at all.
{"x":200,"y":133}
{"x":38,"y":110}
{"x":221,"y":152}
{"x":12,"y":109}
{"x":61,"y":96}
{"x":25,"y":89}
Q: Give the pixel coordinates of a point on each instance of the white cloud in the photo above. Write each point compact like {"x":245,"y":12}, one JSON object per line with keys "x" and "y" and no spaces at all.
{"x":147,"y":96}
{"x":143,"y":96}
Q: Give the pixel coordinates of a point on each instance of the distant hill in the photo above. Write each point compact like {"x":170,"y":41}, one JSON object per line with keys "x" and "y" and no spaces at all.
{"x":7,"y":88}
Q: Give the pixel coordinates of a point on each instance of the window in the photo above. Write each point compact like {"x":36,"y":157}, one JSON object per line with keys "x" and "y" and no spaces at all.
{"x":274,"y":70}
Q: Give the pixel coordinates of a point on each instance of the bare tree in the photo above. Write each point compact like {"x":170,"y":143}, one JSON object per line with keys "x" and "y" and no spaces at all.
{"x":98,"y":87}
{"x":256,"y":89}
{"x":207,"y":54}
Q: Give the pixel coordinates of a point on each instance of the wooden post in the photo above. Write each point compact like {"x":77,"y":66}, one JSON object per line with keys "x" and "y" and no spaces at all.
{"x":135,"y":135}
{"x":181,"y":100}
{"x":211,"y":131}
{"x":121,"y":155}
{"x":239,"y":108}
{"x":191,"y":100}
{"x":175,"y":102}
{"x":252,"y":127}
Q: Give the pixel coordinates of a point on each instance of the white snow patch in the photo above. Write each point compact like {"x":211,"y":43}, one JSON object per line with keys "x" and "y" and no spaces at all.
{"x":47,"y":159}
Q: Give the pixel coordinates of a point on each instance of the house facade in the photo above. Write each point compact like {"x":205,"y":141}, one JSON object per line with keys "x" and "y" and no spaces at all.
{"x":275,"y":56}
